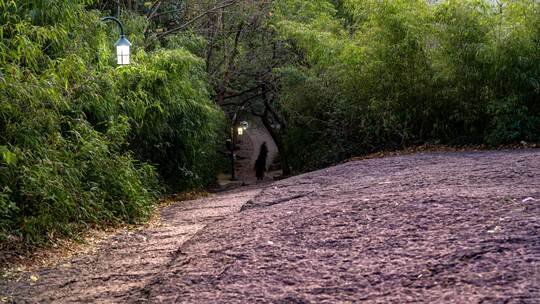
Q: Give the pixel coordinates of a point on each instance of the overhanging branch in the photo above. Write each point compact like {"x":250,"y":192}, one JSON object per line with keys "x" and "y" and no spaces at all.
{"x":243,"y":102}
{"x":183,"y":26}
{"x":242,"y":93}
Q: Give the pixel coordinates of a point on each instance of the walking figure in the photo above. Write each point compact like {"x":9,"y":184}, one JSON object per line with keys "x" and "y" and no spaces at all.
{"x":260,"y":163}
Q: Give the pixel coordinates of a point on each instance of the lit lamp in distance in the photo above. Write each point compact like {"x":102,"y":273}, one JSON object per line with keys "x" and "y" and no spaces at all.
{"x":243,"y":126}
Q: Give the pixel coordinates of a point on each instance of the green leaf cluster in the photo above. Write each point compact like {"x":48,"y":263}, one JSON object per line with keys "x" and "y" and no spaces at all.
{"x":388,"y":74}
{"x":175,"y":124}
{"x":82,"y":142}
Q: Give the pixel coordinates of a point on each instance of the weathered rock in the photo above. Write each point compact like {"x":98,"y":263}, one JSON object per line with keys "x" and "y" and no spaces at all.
{"x":425,"y":228}
{"x":437,"y":227}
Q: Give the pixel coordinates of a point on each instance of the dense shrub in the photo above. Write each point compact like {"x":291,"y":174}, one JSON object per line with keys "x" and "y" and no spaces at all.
{"x":175,"y":124}
{"x":388,"y":74}
{"x":80,"y":140}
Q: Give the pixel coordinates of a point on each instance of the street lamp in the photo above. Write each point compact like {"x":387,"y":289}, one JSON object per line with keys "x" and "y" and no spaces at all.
{"x":231,"y":143}
{"x":243,"y":126}
{"x":122,"y":45}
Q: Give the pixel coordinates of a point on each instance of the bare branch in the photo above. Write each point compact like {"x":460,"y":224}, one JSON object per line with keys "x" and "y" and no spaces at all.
{"x":165,"y":13}
{"x":183,"y":26}
{"x":243,"y":102}
{"x":230,"y":65}
{"x":153,"y":9}
{"x":242,"y":93}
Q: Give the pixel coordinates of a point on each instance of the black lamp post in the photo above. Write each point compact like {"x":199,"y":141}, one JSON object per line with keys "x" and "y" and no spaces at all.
{"x":122,"y":45}
{"x":236,"y":130}
{"x":231,"y":144}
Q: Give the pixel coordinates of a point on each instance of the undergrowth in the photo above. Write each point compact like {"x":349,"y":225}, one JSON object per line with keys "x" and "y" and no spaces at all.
{"x":82,"y":142}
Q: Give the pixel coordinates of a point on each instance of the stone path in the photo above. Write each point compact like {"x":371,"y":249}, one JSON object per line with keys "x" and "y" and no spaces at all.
{"x":427,"y":228}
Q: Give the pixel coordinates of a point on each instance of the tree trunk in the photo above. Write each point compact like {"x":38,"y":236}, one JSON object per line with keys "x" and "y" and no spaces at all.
{"x":278,"y":140}
{"x":277,"y":136}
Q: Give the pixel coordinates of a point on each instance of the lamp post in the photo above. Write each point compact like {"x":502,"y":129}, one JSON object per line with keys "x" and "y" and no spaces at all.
{"x":243,"y":126}
{"x":122,"y":45}
{"x":231,"y":143}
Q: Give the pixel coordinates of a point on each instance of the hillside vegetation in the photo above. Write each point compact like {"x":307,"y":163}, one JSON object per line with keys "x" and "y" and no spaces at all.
{"x":388,"y":74}
{"x":85,"y":143}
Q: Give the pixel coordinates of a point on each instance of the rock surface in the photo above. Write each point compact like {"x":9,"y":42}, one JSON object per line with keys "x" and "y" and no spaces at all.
{"x":436,"y":227}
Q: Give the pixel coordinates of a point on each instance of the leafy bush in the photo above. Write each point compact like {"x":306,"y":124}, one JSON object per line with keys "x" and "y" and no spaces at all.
{"x":175,"y":125}
{"x":388,"y":74}
{"x":80,"y":141}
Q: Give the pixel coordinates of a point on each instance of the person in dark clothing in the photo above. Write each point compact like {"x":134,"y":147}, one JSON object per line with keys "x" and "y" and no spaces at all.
{"x":260,"y":163}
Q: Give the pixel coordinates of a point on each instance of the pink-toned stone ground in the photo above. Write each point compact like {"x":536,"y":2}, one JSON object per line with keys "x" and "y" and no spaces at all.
{"x":427,"y":228}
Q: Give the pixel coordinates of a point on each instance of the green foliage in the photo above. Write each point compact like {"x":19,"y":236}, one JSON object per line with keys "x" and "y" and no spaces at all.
{"x":513,"y":65}
{"x":175,"y":124}
{"x":186,"y":40}
{"x":81,"y":142}
{"x":398,"y":73}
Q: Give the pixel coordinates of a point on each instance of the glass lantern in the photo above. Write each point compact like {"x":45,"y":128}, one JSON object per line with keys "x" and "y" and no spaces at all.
{"x":122,"y":51}
{"x":244,"y":125}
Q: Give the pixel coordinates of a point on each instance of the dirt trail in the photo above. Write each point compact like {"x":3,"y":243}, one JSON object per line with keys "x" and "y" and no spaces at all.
{"x":427,"y":228}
